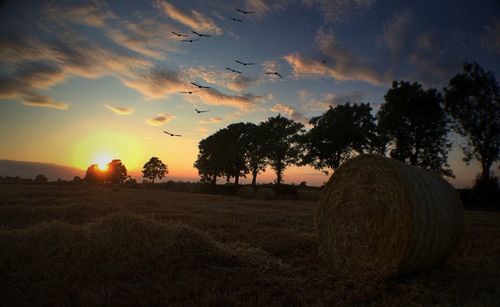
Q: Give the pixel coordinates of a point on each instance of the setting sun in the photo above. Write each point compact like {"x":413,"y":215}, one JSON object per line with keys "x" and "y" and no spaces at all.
{"x":102,"y":162}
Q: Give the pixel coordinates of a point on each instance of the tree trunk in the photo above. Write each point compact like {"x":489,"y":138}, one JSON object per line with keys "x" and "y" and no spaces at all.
{"x":254,"y":177}
{"x":278,"y":176}
{"x":486,"y":165}
{"x":214,"y":179}
{"x":237,"y":179}
{"x":153,"y":180}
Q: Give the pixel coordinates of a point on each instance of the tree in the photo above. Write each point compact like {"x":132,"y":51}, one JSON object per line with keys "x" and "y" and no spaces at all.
{"x":210,"y":158}
{"x":473,"y":100}
{"x":154,"y":168}
{"x":94,"y":175}
{"x":415,"y":124}
{"x":254,"y":142}
{"x":41,"y":179}
{"x":222,"y":154}
{"x":116,"y":172}
{"x":282,"y":145}
{"x":338,"y":134}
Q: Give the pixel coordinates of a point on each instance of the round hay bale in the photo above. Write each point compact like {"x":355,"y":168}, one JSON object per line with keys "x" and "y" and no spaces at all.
{"x":380,"y":218}
{"x":265,"y":194}
{"x":246,"y":192}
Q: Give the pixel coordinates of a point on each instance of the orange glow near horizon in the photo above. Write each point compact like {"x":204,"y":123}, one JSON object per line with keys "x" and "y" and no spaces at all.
{"x":102,"y":147}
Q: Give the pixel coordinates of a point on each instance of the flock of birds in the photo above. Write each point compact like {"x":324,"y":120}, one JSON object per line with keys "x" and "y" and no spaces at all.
{"x":188,"y":39}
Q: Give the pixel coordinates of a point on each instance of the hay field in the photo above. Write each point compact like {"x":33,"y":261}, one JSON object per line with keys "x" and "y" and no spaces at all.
{"x":67,"y":245}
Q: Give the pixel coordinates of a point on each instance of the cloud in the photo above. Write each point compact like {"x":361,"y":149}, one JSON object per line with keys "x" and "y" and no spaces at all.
{"x":156,"y":83}
{"x":160,"y":119}
{"x":290,"y":112}
{"x":37,"y":100}
{"x":311,"y":103}
{"x":212,"y":120}
{"x":491,"y":35}
{"x":341,"y":64}
{"x":340,"y":11}
{"x":233,"y":81}
{"x":430,"y":54}
{"x":212,"y":96}
{"x":94,"y":14}
{"x":202,"y":130}
{"x":396,"y":34}
{"x":120,"y":110}
{"x":193,"y":19}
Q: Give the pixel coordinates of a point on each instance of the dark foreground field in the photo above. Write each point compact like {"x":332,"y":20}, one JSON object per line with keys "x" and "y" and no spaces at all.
{"x":63,"y":245}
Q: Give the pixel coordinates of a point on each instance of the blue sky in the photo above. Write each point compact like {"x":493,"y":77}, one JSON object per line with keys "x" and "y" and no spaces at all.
{"x":71,"y":70}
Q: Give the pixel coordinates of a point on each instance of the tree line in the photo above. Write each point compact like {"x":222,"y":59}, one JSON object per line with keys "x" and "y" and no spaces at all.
{"x":116,"y":172}
{"x":412,"y":125}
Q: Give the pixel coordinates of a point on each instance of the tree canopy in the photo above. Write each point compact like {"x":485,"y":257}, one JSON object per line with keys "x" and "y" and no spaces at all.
{"x":116,"y":172}
{"x":415,"y":124}
{"x":154,"y":168}
{"x":338,"y":134}
{"x":282,"y":145}
{"x":473,"y":100}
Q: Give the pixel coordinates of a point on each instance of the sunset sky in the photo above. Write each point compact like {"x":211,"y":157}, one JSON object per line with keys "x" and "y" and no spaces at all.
{"x":86,"y":81}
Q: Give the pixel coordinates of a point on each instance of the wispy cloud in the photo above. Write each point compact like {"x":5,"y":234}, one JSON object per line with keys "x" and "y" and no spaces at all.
{"x":193,"y":19}
{"x":37,"y":100}
{"x":309,"y":102}
{"x":156,"y":83}
{"x":94,"y":13}
{"x":211,"y":120}
{"x":491,"y":35}
{"x":160,"y":119}
{"x":395,"y":35}
{"x":290,"y":112}
{"x":120,"y":110}
{"x":230,"y":80}
{"x":339,"y":11}
{"x":340,"y":65}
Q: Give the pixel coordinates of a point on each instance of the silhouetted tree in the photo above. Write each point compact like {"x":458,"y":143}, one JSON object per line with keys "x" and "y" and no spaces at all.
{"x":338,"y":134}
{"x":210,"y":158}
{"x":254,"y":142}
{"x":77,"y":179}
{"x":473,"y":100}
{"x":154,"y":168}
{"x":116,"y":172}
{"x":41,"y":179}
{"x":415,"y":124}
{"x":232,"y":138}
{"x":94,"y":175}
{"x":283,"y":143}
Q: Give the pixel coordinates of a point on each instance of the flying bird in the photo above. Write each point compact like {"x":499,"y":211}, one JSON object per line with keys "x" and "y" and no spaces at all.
{"x":171,"y":134}
{"x":243,"y":63}
{"x":233,"y":70}
{"x":179,"y":35}
{"x":236,"y":19}
{"x":189,"y":40}
{"x":274,"y":73}
{"x":201,"y":111}
{"x":200,"y":86}
{"x":245,"y":12}
{"x":188,"y":92}
{"x":201,"y":35}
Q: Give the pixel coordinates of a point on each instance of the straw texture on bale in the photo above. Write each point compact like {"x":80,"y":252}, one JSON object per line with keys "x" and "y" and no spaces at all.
{"x":380,"y":218}
{"x":266,"y":194}
{"x":246,"y":192}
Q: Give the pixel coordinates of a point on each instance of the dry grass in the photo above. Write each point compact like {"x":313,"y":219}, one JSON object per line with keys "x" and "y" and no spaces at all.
{"x":167,"y":248}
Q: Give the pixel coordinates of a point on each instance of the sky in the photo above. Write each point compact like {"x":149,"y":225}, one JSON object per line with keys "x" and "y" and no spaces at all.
{"x":84,"y":82}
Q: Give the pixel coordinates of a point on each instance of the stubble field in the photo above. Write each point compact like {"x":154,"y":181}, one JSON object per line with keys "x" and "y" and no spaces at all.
{"x":70,"y":245}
